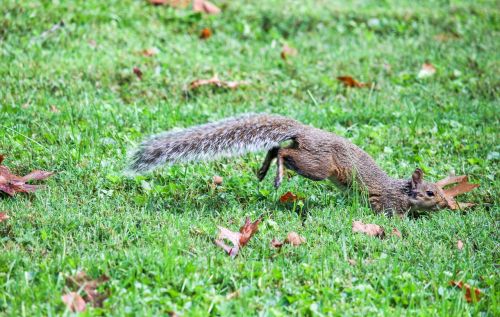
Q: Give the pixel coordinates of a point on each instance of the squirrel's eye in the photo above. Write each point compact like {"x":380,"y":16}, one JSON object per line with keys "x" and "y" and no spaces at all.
{"x":430,"y":193}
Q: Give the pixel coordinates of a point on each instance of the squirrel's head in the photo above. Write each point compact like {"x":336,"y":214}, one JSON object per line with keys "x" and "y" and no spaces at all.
{"x":424,"y":195}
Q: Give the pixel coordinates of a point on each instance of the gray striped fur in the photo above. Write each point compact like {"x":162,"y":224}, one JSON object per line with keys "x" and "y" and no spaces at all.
{"x":229,"y":137}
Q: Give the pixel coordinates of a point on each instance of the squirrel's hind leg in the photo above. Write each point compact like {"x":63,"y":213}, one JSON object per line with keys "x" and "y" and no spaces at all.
{"x":271,"y":155}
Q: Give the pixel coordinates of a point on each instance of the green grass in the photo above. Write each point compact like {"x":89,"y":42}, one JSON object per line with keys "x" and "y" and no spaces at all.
{"x":153,"y":235}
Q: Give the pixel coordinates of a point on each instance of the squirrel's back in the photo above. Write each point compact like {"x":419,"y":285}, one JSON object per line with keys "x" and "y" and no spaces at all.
{"x":232,"y":136}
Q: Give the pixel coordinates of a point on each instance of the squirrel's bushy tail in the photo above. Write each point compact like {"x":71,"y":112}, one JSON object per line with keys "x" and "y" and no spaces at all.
{"x":233,"y":136}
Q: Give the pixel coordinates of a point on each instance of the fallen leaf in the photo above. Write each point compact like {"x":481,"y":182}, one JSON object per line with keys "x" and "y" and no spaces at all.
{"x":217,"y":180}
{"x":294,"y":239}
{"x":237,"y":239}
{"x":54,"y":109}
{"x":287,"y":51}
{"x":352,"y":262}
{"x":468,"y":291}
{"x":74,"y":302}
{"x":205,"y":7}
{"x":369,"y":229}
{"x":137,"y":72}
{"x":150,"y":52}
{"x":3,"y":216}
{"x":12,"y":184}
{"x":205,"y":33}
{"x":463,"y":186}
{"x":233,"y":295}
{"x":276,"y":243}
{"x":215,"y":81}
{"x":348,"y":81}
{"x":427,"y":70}
{"x":444,"y":37}
{"x":288,"y":197}
{"x":172,"y":3}
{"x":460,"y":245}
{"x":82,"y":281}
{"x":397,"y":233}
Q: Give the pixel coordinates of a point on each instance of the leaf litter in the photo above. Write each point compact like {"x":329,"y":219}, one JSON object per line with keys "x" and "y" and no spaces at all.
{"x":12,"y":184}
{"x":237,"y":239}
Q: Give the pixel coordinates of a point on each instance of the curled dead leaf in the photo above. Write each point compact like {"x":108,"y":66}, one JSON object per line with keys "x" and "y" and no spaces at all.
{"x":149,"y":52}
{"x":369,"y":229}
{"x":12,"y":184}
{"x":74,"y":302}
{"x":171,"y":3}
{"x":397,"y":233}
{"x":288,"y":197}
{"x":215,"y":81}
{"x":427,"y":70}
{"x":472,"y":294}
{"x":205,"y":6}
{"x":205,"y":33}
{"x":462,"y":187}
{"x":287,"y":51}
{"x":137,"y":72}
{"x":348,"y":81}
{"x":352,"y":262}
{"x":3,"y":216}
{"x":294,"y":239}
{"x":275,"y":243}
{"x":81,"y":281}
{"x":217,"y":180}
{"x":460,"y":245}
{"x":237,"y":239}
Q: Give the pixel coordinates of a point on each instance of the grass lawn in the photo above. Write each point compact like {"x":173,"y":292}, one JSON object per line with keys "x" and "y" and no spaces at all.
{"x":71,"y":103}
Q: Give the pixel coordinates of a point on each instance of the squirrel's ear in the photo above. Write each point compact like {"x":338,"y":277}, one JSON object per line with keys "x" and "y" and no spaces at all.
{"x":416,"y":178}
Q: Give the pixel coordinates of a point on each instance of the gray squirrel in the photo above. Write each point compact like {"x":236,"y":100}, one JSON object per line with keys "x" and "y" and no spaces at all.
{"x":313,"y":153}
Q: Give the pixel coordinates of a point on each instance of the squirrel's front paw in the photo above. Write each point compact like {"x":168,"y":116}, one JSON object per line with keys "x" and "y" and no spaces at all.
{"x":277,"y":182}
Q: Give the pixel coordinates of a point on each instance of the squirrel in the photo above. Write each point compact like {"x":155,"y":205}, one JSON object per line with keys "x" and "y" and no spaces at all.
{"x":313,"y":153}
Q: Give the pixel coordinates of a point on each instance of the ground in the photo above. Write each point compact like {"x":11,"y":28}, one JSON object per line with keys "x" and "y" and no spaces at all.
{"x":71,"y":103}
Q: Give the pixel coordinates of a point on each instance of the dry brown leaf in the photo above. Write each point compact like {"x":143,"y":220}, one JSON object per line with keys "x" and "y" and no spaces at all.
{"x":348,"y":81}
{"x":276,"y":243}
{"x":3,"y":216}
{"x":460,"y":245}
{"x":215,"y":81}
{"x":427,"y":70}
{"x":294,"y":239}
{"x":444,"y":37}
{"x":468,"y":291}
{"x":287,"y":51}
{"x":233,"y":295}
{"x":54,"y":109}
{"x":172,"y":3}
{"x":205,"y":33}
{"x":288,"y":197}
{"x":369,"y":229}
{"x":81,"y":281}
{"x":150,"y":52}
{"x":217,"y":180}
{"x":137,"y":72}
{"x":237,"y":239}
{"x":12,"y":184}
{"x":397,"y":233}
{"x":205,"y":7}
{"x":352,"y":262}
{"x":74,"y":302}
{"x":463,"y":186}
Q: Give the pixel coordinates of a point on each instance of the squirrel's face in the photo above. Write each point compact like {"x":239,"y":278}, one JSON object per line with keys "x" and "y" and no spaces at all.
{"x":424,"y":195}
